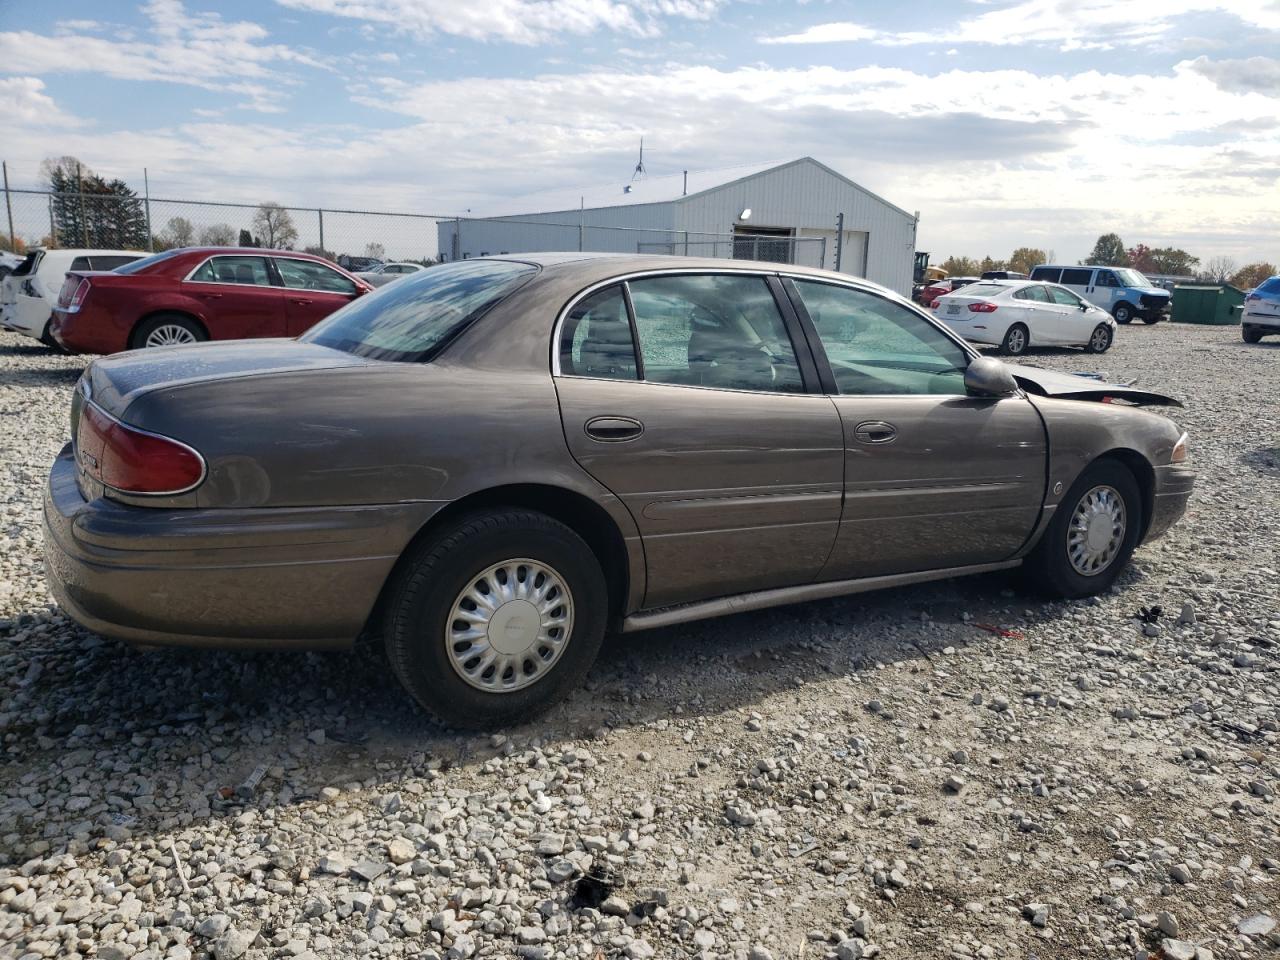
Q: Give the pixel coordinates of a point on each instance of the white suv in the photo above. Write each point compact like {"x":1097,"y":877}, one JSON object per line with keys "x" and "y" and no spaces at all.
{"x":28,"y":294}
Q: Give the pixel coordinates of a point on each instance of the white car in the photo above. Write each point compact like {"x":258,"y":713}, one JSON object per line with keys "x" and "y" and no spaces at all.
{"x":1261,"y":316}
{"x":388,"y":272}
{"x":1016,"y":314}
{"x":27,"y":295}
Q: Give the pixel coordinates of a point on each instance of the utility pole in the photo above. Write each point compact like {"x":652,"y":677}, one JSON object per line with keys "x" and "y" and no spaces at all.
{"x":146,"y":192}
{"x":839,"y":239}
{"x":13,"y":239}
{"x":84,"y":220}
{"x":320,"y":214}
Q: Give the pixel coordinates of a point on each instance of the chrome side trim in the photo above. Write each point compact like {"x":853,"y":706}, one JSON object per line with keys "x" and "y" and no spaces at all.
{"x":762,"y":599}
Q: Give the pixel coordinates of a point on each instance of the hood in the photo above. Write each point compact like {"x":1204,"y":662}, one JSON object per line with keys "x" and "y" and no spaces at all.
{"x":1153,"y":291}
{"x":1069,"y":386}
{"x":115,"y":381}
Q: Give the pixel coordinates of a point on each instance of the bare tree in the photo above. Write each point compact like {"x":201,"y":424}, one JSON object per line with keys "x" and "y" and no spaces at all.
{"x":273,"y":224}
{"x":218,"y":235}
{"x":375,"y":251}
{"x":179,"y":232}
{"x":1219,"y":269}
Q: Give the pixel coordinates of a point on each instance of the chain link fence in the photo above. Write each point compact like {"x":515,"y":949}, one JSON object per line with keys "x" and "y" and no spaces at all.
{"x":351,"y":237}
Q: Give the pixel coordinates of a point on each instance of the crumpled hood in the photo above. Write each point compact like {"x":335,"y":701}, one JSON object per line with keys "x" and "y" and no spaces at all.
{"x":1069,"y":386}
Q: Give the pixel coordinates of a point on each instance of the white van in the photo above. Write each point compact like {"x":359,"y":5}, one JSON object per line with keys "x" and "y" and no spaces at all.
{"x":27,"y":295}
{"x":1122,"y":292}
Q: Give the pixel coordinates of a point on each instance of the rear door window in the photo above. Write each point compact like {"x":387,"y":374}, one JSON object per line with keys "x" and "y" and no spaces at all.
{"x":1064,"y":297}
{"x":248,"y":271}
{"x":1079,"y":278}
{"x":595,"y":339}
{"x":1036,"y":293}
{"x":714,"y":330}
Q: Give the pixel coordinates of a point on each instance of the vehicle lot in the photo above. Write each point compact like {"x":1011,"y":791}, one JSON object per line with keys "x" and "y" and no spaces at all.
{"x":877,"y":769}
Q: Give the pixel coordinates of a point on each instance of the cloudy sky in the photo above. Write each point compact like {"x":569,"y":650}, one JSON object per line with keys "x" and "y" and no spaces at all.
{"x":1004,"y":122}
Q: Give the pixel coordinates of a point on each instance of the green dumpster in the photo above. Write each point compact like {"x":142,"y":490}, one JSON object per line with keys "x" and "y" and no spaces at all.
{"x":1215,"y":303}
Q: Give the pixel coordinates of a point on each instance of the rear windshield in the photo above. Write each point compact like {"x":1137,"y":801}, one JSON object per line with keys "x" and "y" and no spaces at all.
{"x":981,"y":290}
{"x":412,"y":320}
{"x":139,"y":265}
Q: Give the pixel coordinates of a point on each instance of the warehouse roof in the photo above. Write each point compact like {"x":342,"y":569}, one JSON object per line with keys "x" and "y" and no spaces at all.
{"x":663,"y":189}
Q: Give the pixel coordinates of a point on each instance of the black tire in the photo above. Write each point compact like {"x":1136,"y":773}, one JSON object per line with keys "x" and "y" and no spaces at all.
{"x":433,"y":577}
{"x":1123,"y":313}
{"x":47,"y":339}
{"x":1099,"y":340}
{"x":1016,"y":340}
{"x":1250,"y":335}
{"x":1049,"y":570}
{"x":173,"y":320}
{"x":1151,"y":318}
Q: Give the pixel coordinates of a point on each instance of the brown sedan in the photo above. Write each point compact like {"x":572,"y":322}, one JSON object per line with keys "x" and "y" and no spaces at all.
{"x":496,"y":461}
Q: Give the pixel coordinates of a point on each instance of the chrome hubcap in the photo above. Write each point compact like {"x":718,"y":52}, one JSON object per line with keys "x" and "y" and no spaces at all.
{"x":169,"y":334}
{"x":1099,"y":338}
{"x":509,"y":625}
{"x":1096,"y":531}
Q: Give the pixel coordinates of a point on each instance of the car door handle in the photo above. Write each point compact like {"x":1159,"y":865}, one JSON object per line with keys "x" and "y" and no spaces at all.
{"x":613,"y":429}
{"x":211,"y":296}
{"x":302,"y":303}
{"x":875,"y":431}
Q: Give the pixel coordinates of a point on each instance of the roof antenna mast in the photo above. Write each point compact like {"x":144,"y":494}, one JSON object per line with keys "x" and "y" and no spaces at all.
{"x":639,"y":171}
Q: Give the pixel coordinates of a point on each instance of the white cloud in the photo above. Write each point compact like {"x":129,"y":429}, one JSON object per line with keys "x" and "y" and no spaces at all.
{"x":1065,"y":24}
{"x":1256,"y":74}
{"x":515,"y":21}
{"x":191,"y":48}
{"x":24,"y":102}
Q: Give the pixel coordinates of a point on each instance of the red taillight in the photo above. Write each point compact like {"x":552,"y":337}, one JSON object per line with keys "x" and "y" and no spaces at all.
{"x":72,"y":294}
{"x":982,"y":307}
{"x":134,"y":461}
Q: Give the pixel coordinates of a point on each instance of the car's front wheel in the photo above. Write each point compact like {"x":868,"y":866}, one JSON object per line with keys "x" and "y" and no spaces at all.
{"x":1092,"y":535}
{"x":1123,"y":313}
{"x":1015,"y":340}
{"x":1099,"y":340}
{"x":496,"y":618}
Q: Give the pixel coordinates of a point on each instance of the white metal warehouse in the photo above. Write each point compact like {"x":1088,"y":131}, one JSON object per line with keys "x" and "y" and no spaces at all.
{"x":780,"y":211}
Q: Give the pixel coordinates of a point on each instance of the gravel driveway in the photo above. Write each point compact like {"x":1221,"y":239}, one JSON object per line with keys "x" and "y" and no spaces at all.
{"x":889,"y":774}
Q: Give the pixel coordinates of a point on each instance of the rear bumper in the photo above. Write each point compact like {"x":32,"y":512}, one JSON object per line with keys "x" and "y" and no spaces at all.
{"x":26,"y":315}
{"x":1173,"y":485}
{"x":87,"y":331}
{"x":282,"y":578}
{"x":1267,"y":321}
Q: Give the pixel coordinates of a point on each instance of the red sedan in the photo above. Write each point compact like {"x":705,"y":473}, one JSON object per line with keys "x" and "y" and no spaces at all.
{"x":199,"y":293}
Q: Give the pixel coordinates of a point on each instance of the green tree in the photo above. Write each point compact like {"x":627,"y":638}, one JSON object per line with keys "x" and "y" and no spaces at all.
{"x":960,"y":266}
{"x":988,"y":264}
{"x":1109,"y":251}
{"x":1253,"y":274}
{"x":274,"y":225}
{"x":1173,"y":262}
{"x":91,"y":211}
{"x":1024,"y":259}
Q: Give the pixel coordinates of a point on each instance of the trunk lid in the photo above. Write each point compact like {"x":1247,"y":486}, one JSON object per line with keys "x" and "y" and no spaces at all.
{"x":114,"y":382}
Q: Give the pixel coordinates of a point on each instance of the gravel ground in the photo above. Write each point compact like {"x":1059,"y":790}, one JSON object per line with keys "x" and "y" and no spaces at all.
{"x":880,"y":775}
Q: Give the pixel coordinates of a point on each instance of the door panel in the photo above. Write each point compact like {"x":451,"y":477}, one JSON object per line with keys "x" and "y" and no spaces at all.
{"x":312,"y":292}
{"x":238,"y":299}
{"x":305,"y":308}
{"x":961,"y":482}
{"x":732,"y":491}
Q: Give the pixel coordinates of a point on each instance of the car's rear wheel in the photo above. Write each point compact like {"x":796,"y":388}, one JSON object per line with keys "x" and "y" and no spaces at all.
{"x":1250,"y":335}
{"x":167,"y":330}
{"x":1092,"y":535}
{"x":1099,"y":340}
{"x":1150,"y":318}
{"x":496,"y":618}
{"x":1123,"y":313}
{"x":1015,"y":340}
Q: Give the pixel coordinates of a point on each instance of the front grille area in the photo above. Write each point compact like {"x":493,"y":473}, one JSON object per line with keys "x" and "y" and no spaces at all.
{"x":1152,"y":301}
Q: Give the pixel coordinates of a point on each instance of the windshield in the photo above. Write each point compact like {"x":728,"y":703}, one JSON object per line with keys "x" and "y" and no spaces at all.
{"x":413,"y":319}
{"x":139,"y":265}
{"x":1132,"y":278}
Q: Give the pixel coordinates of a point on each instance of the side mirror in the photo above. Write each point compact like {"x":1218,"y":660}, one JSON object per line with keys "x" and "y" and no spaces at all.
{"x":1084,"y":306}
{"x":986,"y":377}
